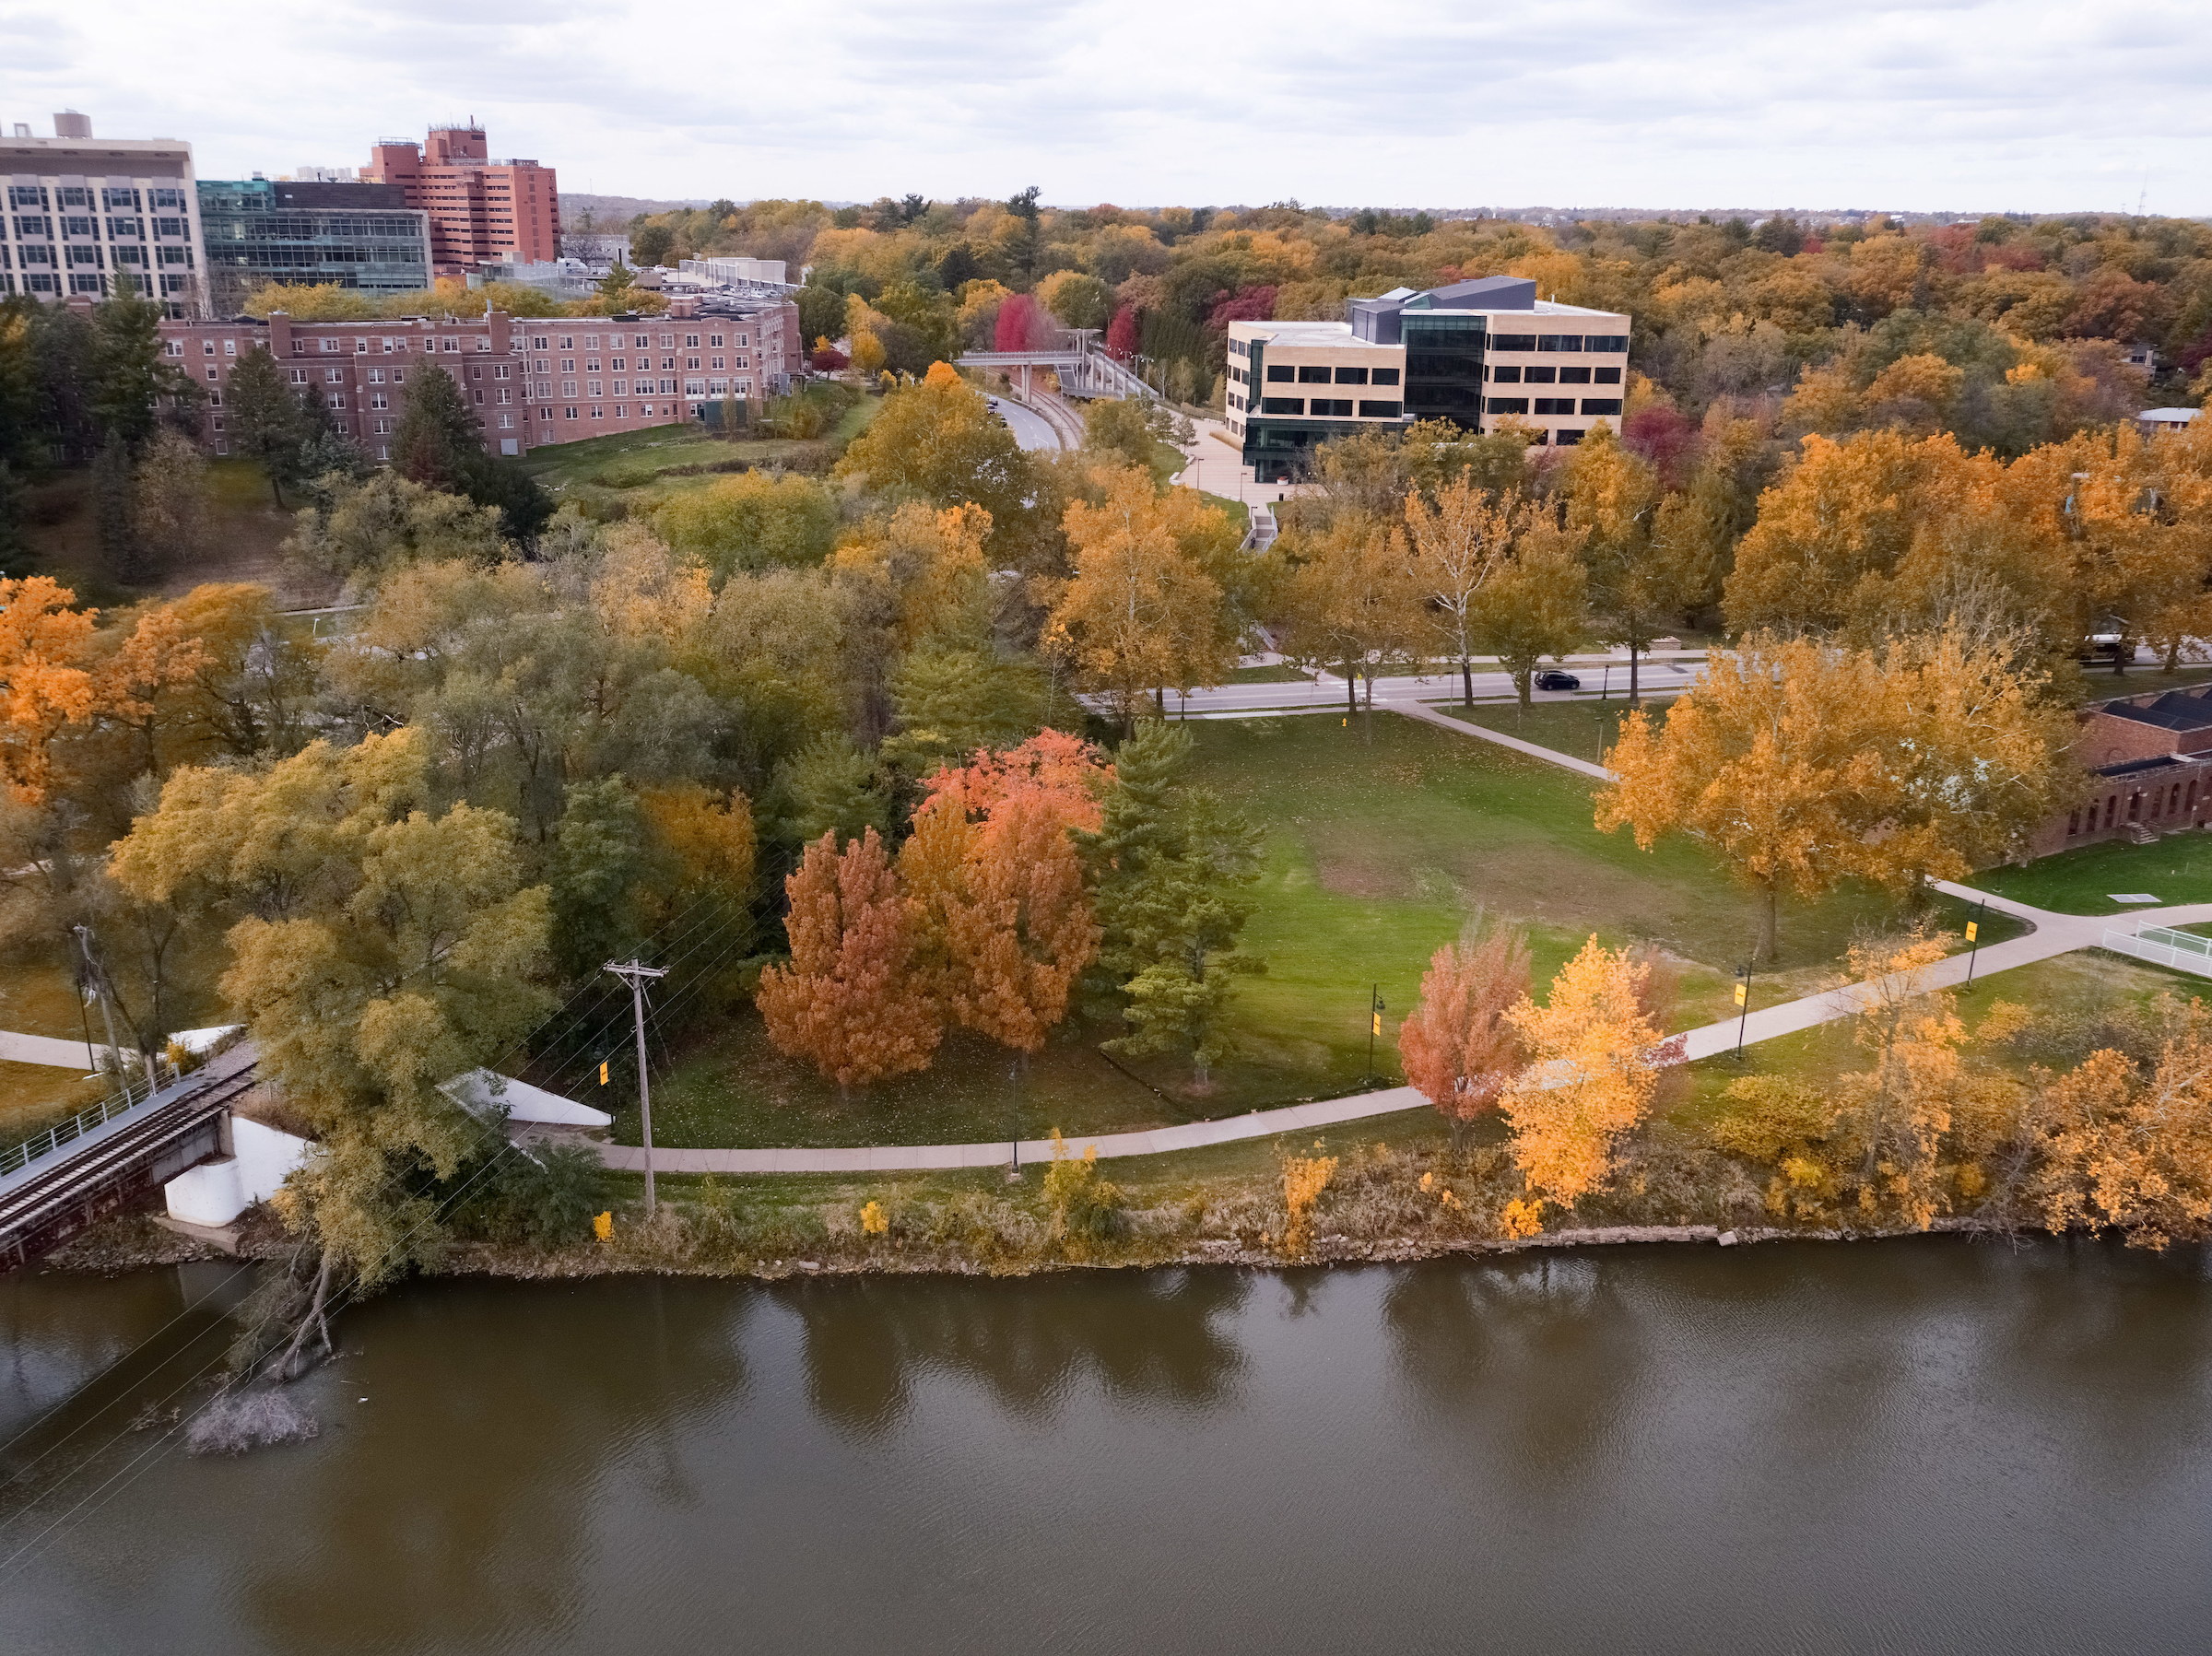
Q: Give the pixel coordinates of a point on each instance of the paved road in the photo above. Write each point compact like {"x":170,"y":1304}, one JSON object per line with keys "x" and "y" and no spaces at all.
{"x":1030,"y":429}
{"x":1658,"y":678}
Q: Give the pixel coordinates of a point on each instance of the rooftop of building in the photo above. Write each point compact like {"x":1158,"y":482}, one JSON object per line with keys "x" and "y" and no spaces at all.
{"x":2164,"y":761}
{"x":2174,"y":709}
{"x":2171,"y":416}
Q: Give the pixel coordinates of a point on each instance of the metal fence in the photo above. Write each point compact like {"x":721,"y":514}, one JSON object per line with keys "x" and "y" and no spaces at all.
{"x":2186,"y":951}
{"x":129,"y":1098}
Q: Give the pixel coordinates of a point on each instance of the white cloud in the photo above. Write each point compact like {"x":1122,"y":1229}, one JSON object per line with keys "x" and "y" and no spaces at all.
{"x":1979,"y":104}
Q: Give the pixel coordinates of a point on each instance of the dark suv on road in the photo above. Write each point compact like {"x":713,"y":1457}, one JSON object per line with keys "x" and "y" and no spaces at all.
{"x":1551,"y":678}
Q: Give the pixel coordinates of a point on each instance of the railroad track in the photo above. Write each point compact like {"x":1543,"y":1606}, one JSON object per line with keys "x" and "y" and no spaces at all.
{"x":74,"y":1188}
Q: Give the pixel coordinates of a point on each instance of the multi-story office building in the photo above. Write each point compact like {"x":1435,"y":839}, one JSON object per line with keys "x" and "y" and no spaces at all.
{"x":100,"y":217}
{"x":532,"y":381}
{"x":362,"y":236}
{"x":482,"y":211}
{"x":1480,"y":354}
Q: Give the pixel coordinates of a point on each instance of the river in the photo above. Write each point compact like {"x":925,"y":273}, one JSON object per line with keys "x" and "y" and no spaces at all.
{"x":1924,"y":1445}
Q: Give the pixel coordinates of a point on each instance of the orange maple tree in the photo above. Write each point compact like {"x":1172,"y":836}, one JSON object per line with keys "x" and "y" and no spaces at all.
{"x":847,"y":1001}
{"x":46,"y":680}
{"x":997,"y":884}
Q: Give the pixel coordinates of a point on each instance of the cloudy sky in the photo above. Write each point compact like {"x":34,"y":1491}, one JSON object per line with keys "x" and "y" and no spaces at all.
{"x":2040,"y":105}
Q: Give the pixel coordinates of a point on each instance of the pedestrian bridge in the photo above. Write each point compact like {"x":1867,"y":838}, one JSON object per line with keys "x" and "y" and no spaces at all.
{"x":2161,"y":946}
{"x":1081,"y":373}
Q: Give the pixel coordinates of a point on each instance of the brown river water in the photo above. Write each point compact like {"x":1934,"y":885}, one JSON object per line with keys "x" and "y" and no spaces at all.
{"x":1926,"y":1446}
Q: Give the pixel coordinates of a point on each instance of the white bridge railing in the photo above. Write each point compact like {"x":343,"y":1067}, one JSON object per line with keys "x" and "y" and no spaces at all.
{"x":2164,"y":946}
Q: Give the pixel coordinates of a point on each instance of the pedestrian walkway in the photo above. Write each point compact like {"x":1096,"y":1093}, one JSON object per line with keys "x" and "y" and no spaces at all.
{"x":2053,"y":934}
{"x":1429,"y":715}
{"x":44,"y":1049}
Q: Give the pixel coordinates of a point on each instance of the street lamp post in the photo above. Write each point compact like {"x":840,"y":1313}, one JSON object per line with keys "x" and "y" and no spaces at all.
{"x":1743,"y":1002}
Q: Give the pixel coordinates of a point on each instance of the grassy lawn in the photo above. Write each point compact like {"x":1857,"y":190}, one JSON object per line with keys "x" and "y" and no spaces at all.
{"x":2101,"y":683}
{"x":638,"y":463}
{"x":1276,"y":675}
{"x":1381,"y":841}
{"x":1582,"y":729}
{"x":1240,"y":513}
{"x":2178,"y":869}
{"x":244,"y":533}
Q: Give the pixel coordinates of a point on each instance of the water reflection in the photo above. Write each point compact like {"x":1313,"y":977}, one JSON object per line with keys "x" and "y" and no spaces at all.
{"x":1160,"y":1337}
{"x":522,"y":1404}
{"x":1540,"y":1348}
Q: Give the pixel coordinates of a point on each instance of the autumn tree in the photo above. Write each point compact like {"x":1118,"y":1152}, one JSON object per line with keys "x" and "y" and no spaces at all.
{"x":1534,"y":608}
{"x":1459,"y":542}
{"x":1776,"y":763}
{"x":1639,"y":580}
{"x":753,"y":520}
{"x":362,"y":530}
{"x":1459,"y":1047}
{"x":46,"y":683}
{"x":1016,"y":922}
{"x":938,"y":438}
{"x":1594,"y":1058}
{"x":846,"y":1001}
{"x":1351,"y":600}
{"x":171,"y":503}
{"x":381,"y":948}
{"x":2127,"y":1147}
{"x":1141,"y":614}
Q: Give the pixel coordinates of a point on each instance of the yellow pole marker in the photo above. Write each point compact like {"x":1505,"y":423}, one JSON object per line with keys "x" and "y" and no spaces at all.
{"x":1739,"y":994}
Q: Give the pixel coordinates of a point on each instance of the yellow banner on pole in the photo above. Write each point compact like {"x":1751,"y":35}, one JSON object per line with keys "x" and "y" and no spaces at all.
{"x":1740,"y":992}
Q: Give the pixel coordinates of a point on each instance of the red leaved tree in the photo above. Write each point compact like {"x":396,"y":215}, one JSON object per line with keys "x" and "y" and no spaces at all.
{"x":847,"y":1000}
{"x":1458,"y":1047}
{"x":1247,"y":304}
{"x":1121,"y":335}
{"x":1023,"y":325}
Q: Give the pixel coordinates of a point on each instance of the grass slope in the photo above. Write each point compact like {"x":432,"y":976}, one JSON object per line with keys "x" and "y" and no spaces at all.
{"x":2177,"y":869}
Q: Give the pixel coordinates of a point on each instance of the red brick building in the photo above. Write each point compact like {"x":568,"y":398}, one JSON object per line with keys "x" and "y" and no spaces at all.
{"x":2150,"y":759}
{"x":482,"y":211}
{"x":532,"y":381}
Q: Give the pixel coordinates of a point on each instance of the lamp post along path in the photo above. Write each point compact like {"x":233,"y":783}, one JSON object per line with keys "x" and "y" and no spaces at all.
{"x":633,"y":974}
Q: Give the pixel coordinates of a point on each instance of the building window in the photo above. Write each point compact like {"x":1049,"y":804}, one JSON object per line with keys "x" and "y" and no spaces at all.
{"x":1279,"y":373}
{"x":2073,"y":824}
{"x":1567,"y":440}
{"x":1282,"y":406}
{"x":598,"y":414}
{"x":1604,"y":342}
{"x":174,"y":349}
{"x":1574,"y":376}
{"x":1506,"y":406}
{"x":331,"y":376}
{"x":211,"y":373}
{"x":378,"y":400}
{"x":567,"y":413}
{"x":399,"y":376}
{"x":299,"y":376}
{"x":690,"y":342}
{"x":1609,"y":376}
{"x":714,"y":340}
{"x":595,"y":390}
{"x":691,"y":362}
{"x":1532,"y":375}
{"x":1352,"y":376}
{"x":1383,"y":376}
{"x":506,"y":422}
{"x":1601,"y":405}
{"x":1513,"y":342}
{"x":568,"y":388}
{"x":452,"y":345}
{"x":335,"y":400}
{"x":500,"y":372}
{"x":1558,"y":342}
{"x":621,"y":388}
{"x":618,"y":411}
{"x":1330,"y":407}
{"x":1308,"y":374}
{"x":1554,"y":405}
{"x":1502,"y":375}
{"x":1380,"y":410}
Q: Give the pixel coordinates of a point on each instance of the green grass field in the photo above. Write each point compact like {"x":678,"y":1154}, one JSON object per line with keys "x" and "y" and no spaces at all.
{"x":1383,"y":839}
{"x":638,"y":465}
{"x":1582,"y":729}
{"x":2178,"y":869}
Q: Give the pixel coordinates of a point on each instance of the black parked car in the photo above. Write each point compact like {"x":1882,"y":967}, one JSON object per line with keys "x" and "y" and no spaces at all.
{"x":1551,"y":678}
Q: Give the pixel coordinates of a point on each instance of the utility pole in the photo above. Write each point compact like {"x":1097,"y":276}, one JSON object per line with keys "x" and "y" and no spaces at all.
{"x":633,"y":974}
{"x":1743,"y":1000}
{"x":107,"y":1013}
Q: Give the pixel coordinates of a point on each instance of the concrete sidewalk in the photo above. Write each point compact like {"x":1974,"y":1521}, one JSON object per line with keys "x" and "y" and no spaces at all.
{"x":2053,"y":934}
{"x":46,"y":1050}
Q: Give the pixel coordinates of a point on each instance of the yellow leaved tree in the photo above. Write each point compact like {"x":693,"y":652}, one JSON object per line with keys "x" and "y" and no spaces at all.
{"x":1596,"y":1052}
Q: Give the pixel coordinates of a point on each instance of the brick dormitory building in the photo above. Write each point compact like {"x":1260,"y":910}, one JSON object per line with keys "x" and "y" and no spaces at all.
{"x":532,"y":381}
{"x":2149,"y":759}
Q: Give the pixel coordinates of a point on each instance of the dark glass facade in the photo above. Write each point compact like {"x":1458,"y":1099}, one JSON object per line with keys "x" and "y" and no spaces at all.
{"x":1443,"y":368}
{"x":260,"y":230}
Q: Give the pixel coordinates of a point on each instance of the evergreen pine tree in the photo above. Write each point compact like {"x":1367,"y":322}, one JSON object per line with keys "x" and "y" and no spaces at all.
{"x":1172,"y":870}
{"x":438,"y":442}
{"x":266,"y":421}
